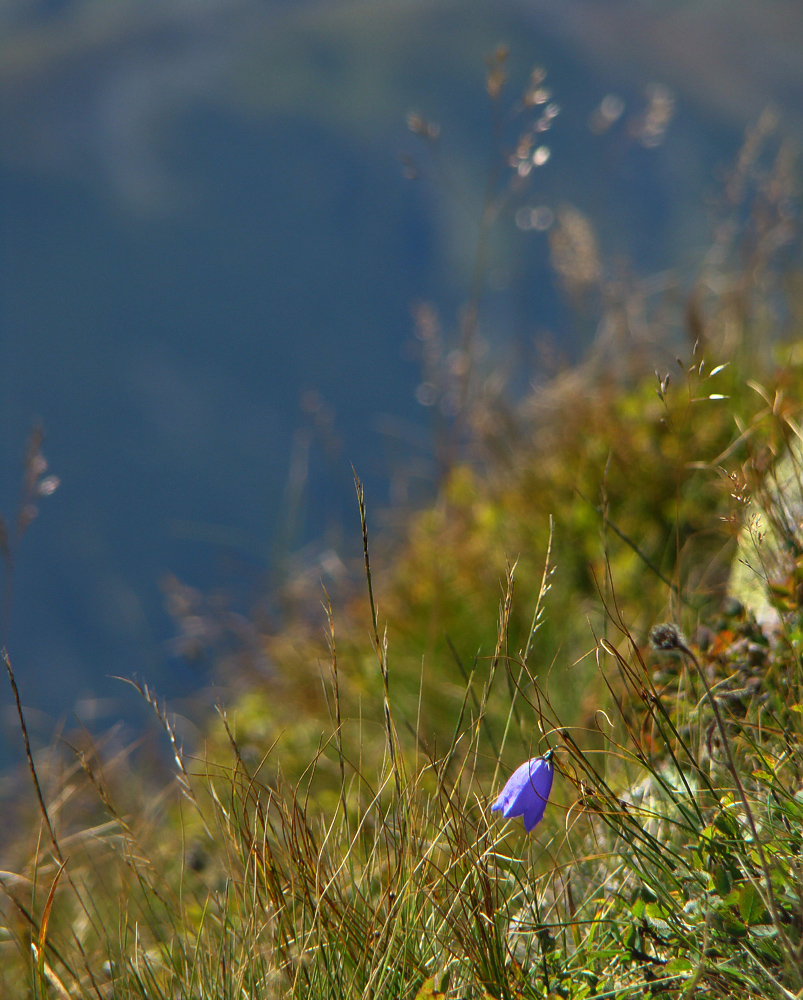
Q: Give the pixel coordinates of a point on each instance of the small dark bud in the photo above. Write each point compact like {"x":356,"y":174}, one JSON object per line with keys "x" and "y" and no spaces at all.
{"x":197,"y":859}
{"x":667,"y":637}
{"x":732,"y":607}
{"x":705,"y":637}
{"x":756,"y":654}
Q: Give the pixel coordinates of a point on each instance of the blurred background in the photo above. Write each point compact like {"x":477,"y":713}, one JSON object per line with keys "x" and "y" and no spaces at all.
{"x":218,"y":219}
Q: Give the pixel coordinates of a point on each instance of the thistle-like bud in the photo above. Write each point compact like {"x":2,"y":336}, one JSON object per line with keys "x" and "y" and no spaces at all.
{"x":667,"y":637}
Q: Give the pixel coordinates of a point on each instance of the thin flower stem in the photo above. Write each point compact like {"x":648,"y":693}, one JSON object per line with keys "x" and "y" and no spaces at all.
{"x":683,"y":648}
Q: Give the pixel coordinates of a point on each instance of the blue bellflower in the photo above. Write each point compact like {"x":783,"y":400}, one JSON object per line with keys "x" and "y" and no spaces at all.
{"x":527,"y":791}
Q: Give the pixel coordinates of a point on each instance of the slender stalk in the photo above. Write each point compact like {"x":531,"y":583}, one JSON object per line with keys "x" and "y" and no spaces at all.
{"x":29,"y":755}
{"x":668,"y":638}
{"x":380,"y":646}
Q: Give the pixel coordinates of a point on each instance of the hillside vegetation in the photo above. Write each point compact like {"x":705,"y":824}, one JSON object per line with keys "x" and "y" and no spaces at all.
{"x":331,"y":834}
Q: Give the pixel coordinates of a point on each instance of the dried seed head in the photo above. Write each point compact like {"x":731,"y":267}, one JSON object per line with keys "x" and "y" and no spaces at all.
{"x":667,"y":637}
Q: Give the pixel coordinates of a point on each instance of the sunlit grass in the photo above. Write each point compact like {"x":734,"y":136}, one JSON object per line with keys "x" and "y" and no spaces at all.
{"x":668,"y":859}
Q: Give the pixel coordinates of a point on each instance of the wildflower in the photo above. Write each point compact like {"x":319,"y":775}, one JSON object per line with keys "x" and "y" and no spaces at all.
{"x":527,"y":791}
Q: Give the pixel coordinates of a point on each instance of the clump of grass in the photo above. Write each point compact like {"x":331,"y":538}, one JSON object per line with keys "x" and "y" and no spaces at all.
{"x":668,"y":860}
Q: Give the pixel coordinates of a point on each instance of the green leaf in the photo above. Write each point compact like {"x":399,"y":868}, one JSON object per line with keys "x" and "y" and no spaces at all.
{"x":764,"y":931}
{"x":428,"y":991}
{"x":442,"y":981}
{"x":678,"y":965}
{"x":725,"y":823}
{"x":722,"y":880}
{"x":751,"y":906}
{"x":655,"y":911}
{"x":735,"y":928}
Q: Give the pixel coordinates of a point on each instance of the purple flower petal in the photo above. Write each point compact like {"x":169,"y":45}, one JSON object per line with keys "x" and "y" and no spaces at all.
{"x":527,"y":791}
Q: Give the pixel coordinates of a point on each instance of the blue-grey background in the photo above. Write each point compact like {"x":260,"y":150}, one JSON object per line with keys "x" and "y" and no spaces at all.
{"x":204,"y":218}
